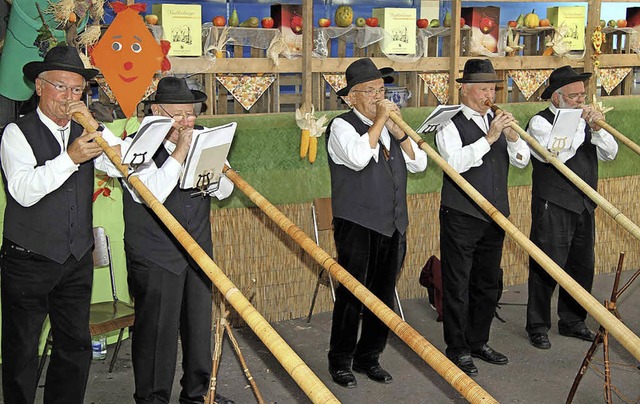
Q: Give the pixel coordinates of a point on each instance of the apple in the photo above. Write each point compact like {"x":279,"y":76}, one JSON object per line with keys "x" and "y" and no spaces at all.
{"x":372,"y":21}
{"x":296,"y":24}
{"x":622,"y":23}
{"x":462,"y":22}
{"x":324,"y":22}
{"x":487,"y":25}
{"x":544,"y":23}
{"x":151,"y":19}
{"x":219,"y":21}
{"x":267,"y":22}
{"x":360,"y":22}
{"x":513,"y":24}
{"x":422,"y":23}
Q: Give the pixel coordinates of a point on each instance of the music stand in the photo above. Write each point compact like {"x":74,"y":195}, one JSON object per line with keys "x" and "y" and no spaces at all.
{"x":222,"y":326}
{"x":602,"y":336}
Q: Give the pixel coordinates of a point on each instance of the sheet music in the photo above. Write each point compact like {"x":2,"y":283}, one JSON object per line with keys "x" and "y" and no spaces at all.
{"x":564,"y":128}
{"x":152,"y":131}
{"x":440,"y":116}
{"x":207,"y":155}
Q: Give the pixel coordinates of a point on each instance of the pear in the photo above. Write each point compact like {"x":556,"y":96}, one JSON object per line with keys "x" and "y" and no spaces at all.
{"x":233,"y":19}
{"x":252,"y":22}
{"x":435,"y":23}
{"x":447,"y":19}
{"x":520,"y":20}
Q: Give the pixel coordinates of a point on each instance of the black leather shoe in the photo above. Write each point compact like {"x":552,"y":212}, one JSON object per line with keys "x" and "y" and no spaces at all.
{"x":582,"y":333}
{"x":375,"y":373}
{"x":344,"y":377}
{"x":465,"y":363}
{"x":219,"y":399}
{"x":488,"y":354}
{"x":540,"y":340}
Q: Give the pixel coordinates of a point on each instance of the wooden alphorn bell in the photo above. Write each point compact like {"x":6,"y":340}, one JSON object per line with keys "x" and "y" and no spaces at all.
{"x":607,"y":206}
{"x":620,"y":331}
{"x":290,"y":361}
{"x":439,"y":362}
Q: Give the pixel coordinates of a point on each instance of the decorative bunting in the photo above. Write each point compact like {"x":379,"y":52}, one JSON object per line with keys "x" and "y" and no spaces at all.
{"x":246,"y":89}
{"x":610,"y":77}
{"x":529,"y":81}
{"x":438,"y":84}
{"x":337,"y":81}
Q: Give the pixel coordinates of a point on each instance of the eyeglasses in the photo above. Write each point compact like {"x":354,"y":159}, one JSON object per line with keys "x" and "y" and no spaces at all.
{"x":575,"y":96}
{"x":185,"y":115}
{"x":63,"y":88}
{"x":371,"y":91}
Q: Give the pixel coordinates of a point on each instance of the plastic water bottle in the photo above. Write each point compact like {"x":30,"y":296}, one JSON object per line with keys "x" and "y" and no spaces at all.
{"x":99,"y":347}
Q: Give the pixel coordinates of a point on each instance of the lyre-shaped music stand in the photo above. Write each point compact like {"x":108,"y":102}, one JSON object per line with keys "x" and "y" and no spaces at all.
{"x":602,"y":336}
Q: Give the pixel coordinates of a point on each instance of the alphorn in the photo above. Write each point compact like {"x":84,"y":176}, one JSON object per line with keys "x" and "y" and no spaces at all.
{"x":620,"y":331}
{"x":299,"y":371}
{"x":440,"y":363}
{"x":607,"y":206}
{"x":622,"y":138}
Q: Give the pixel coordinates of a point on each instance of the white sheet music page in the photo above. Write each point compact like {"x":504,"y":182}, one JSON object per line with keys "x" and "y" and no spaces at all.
{"x":207,"y":155}
{"x":564,"y":128}
{"x":440,"y":116}
{"x":152,"y":131}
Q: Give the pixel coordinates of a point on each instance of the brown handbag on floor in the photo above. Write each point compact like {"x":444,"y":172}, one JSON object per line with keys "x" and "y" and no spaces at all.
{"x":431,"y":278}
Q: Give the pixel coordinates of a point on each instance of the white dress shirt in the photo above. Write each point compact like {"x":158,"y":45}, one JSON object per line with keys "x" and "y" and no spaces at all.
{"x":27,"y":183}
{"x":606,"y":145}
{"x":347,"y":147}
{"x":162,"y":180}
{"x":464,"y":158}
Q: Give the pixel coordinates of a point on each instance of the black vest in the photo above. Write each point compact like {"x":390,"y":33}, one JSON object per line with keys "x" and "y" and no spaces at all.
{"x":490,"y":178}
{"x":376,"y":196}
{"x":550,"y":185}
{"x":148,"y":236}
{"x":60,"y":224}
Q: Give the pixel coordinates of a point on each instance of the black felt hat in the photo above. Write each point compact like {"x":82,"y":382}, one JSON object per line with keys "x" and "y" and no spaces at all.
{"x":363,"y":70}
{"x":174,"y":90}
{"x":561,"y":77}
{"x":59,"y":58}
{"x":479,"y":71}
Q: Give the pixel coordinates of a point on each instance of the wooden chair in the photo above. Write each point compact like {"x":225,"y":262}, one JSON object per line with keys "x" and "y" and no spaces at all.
{"x":322,"y":217}
{"x":104,"y":316}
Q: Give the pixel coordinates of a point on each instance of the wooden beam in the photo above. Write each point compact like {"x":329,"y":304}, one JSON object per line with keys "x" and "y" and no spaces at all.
{"x":307,"y":57}
{"x":454,"y":51}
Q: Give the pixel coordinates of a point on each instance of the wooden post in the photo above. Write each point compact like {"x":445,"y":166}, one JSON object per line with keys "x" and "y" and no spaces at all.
{"x":454,"y":52}
{"x":307,"y":50}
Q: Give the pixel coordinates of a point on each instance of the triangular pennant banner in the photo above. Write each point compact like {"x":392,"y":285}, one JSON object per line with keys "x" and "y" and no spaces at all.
{"x":337,"y":81}
{"x":610,"y":77}
{"x":529,"y":81}
{"x":246,"y":89}
{"x":107,"y":90}
{"x":438,"y":84}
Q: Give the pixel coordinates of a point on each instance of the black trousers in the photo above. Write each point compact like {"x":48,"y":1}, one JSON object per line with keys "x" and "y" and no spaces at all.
{"x":374,"y":260}
{"x":471,"y":250}
{"x":167,"y":304}
{"x":32,"y":287}
{"x":568,"y":239}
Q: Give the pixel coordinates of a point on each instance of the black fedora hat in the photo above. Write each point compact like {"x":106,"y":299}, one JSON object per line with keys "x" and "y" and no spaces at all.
{"x":61,"y":57}
{"x":479,"y":71}
{"x":363,"y":70}
{"x":561,"y":77}
{"x":174,"y":90}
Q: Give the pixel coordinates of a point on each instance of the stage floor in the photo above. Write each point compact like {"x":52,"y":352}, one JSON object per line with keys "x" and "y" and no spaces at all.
{"x":532,"y":375}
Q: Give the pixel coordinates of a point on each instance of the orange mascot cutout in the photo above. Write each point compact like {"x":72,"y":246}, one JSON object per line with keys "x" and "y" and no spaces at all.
{"x":129,"y":56}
